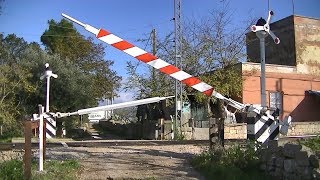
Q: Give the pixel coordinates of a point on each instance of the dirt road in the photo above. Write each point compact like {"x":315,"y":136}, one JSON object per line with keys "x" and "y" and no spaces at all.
{"x":133,"y":162}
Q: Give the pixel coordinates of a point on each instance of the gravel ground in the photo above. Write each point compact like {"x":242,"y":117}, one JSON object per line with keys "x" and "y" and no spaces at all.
{"x":132,"y":162}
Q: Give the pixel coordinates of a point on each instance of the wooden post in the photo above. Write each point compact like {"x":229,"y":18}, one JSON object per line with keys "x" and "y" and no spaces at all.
{"x":192,"y":126}
{"x":27,"y":149}
{"x":156,"y":133}
{"x":162,"y":128}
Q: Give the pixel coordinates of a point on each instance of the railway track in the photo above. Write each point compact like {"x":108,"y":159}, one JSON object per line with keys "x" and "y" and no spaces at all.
{"x":105,"y":143}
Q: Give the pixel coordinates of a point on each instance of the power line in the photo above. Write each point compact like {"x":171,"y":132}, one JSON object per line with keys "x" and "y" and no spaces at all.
{"x":69,"y":36}
{"x":166,"y":21}
{"x":292,"y":7}
{"x":50,"y":35}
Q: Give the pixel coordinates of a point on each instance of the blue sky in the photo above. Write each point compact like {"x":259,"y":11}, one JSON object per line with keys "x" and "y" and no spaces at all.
{"x":133,"y":19}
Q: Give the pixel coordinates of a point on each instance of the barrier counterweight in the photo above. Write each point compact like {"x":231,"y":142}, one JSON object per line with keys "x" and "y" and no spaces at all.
{"x":262,"y":128}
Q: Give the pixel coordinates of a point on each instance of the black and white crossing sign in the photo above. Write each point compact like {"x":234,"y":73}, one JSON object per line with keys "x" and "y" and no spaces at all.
{"x":262,"y":128}
{"x":51,"y":126}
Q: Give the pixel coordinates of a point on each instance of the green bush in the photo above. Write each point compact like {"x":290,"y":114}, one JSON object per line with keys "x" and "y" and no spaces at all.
{"x":312,"y":143}
{"x":232,"y":163}
{"x":12,"y":169}
{"x":5,"y":139}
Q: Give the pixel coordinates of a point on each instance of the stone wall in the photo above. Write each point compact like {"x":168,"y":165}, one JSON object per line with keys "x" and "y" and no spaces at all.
{"x":239,"y":130}
{"x":304,"y":128}
{"x":291,"y":161}
{"x":235,"y":131}
{"x":307,"y":44}
{"x":231,"y":131}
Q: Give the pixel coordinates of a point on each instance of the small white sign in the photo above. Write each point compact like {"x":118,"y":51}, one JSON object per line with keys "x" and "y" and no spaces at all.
{"x":97,"y":116}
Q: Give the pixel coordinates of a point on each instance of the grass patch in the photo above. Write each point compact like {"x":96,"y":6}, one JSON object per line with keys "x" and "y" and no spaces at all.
{"x":57,"y":170}
{"x":312,"y":143}
{"x":230,"y":164}
{"x":5,"y":139}
{"x":54,"y":169}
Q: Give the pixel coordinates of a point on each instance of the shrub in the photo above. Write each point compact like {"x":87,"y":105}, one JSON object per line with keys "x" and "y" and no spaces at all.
{"x":12,"y":169}
{"x":312,"y":143}
{"x":232,"y":163}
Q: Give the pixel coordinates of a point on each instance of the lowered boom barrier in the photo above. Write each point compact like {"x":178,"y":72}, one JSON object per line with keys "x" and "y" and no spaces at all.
{"x":155,"y":62}
{"x":262,"y":126}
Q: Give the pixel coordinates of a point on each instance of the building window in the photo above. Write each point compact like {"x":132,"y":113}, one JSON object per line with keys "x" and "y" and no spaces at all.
{"x":276,"y":102}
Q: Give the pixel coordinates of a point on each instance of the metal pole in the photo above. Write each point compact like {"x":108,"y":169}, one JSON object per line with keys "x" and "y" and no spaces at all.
{"x":154,"y":52}
{"x":176,"y":63}
{"x":263,"y":73}
{"x":42,"y":132}
{"x":178,"y":52}
{"x":41,"y":138}
{"x":180,"y":61}
{"x":262,"y":35}
{"x":47,"y":95}
{"x":44,"y":120}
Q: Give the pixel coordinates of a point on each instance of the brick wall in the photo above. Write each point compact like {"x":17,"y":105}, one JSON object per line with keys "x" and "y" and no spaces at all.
{"x":296,"y":103}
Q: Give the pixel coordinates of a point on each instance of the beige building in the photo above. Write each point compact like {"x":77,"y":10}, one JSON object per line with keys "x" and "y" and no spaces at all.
{"x":300,"y":44}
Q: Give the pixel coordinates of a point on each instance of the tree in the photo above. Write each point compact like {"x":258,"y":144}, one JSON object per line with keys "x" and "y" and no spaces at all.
{"x":13,"y":79}
{"x":125,"y":115}
{"x":63,"y":39}
{"x":216,"y":47}
{"x":212,"y":47}
{"x":21,"y":90}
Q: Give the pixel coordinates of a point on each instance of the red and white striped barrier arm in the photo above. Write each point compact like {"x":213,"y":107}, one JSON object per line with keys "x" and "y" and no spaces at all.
{"x":150,"y":59}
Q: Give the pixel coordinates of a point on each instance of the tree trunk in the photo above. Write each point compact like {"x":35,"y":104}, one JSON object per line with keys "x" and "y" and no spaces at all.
{"x":216,"y":124}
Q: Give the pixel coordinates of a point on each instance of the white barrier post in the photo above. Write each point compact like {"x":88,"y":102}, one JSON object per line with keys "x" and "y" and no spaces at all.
{"x":41,"y":138}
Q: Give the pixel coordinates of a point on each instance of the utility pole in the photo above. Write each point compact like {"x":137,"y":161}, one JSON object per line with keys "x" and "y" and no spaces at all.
{"x":178,"y":59}
{"x":154,"y":52}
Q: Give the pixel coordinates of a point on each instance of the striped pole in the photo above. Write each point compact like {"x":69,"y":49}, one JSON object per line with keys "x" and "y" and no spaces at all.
{"x":149,"y":59}
{"x":262,"y":128}
{"x":51,"y":126}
